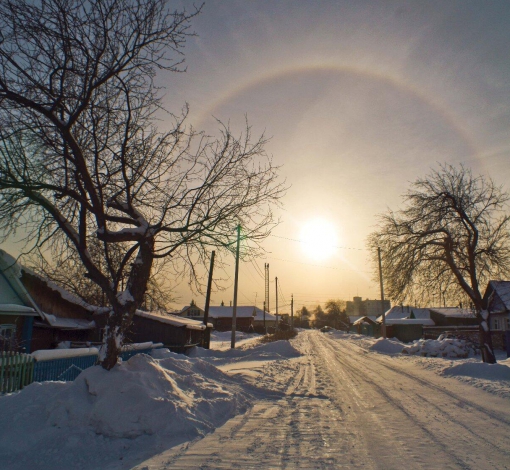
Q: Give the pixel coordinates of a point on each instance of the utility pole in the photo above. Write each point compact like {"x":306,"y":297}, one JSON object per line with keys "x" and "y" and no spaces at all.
{"x":208,"y":295}
{"x":276,"y":284}
{"x":265,"y":331}
{"x":266,"y":276}
{"x":236,"y":281}
{"x":292,"y":312}
{"x":382,"y":294}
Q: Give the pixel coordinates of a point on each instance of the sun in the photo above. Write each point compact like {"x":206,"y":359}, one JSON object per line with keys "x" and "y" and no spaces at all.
{"x":319,"y":239}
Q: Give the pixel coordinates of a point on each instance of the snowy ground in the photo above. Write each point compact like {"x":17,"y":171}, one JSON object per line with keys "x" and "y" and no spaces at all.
{"x":321,"y":401}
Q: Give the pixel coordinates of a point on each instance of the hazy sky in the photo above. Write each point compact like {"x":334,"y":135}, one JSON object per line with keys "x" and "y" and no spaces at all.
{"x":360,"y":98}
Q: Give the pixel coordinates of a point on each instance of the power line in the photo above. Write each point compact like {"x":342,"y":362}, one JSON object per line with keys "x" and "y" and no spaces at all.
{"x":319,"y":266}
{"x":333,"y":246}
{"x":257,"y":269}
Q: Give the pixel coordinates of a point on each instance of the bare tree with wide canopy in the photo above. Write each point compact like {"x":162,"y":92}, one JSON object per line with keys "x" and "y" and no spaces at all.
{"x":451,"y":236}
{"x":82,"y":161}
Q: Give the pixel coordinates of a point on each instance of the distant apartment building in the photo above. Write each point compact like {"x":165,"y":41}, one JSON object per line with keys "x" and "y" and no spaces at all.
{"x":360,"y":307}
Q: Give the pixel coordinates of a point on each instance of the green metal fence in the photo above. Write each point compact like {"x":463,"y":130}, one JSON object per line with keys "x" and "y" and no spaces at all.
{"x":16,"y":371}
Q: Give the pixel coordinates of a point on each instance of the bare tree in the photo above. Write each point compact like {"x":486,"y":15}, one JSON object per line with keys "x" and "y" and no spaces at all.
{"x":335,"y":309}
{"x":451,"y":237}
{"x":81,"y":158}
{"x":66,"y":270}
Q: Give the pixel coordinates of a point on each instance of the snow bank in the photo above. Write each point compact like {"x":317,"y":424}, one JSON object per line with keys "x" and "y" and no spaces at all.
{"x":142,"y":404}
{"x":387,"y":346}
{"x":448,"y":347}
{"x":269,"y":351}
{"x":480,"y":370}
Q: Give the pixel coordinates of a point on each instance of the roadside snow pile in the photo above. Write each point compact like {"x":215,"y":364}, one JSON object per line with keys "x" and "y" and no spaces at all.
{"x":173,"y":399}
{"x":387,"y":346}
{"x":448,"y":347}
{"x":268,"y":351}
{"x":221,"y":340}
{"x":481,"y":370}
{"x":227,"y":335}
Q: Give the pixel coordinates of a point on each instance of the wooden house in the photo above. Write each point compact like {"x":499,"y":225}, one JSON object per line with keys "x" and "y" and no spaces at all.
{"x":191,"y":311}
{"x":65,"y":317}
{"x":497,"y":303}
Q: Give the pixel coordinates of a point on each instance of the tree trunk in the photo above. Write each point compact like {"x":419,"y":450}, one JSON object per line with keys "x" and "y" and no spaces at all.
{"x":118,"y":323}
{"x":484,"y":334}
{"x":486,"y":348}
{"x":124,"y":309}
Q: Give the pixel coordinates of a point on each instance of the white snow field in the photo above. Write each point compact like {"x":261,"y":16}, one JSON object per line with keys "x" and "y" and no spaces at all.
{"x":321,"y":401}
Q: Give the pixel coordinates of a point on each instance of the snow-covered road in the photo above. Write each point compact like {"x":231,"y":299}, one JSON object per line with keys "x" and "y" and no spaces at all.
{"x":347,"y":408}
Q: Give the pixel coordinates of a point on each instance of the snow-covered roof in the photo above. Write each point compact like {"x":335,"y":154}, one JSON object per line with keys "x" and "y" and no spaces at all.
{"x":407,"y":321}
{"x":364,"y":319}
{"x":355,"y":318}
{"x":403,"y":312}
{"x":186,"y":307}
{"x":69,"y":323}
{"x":241,"y":311}
{"x":502,"y":289}
{"x":174,"y":320}
{"x":49,"y":354}
{"x":454,"y":312}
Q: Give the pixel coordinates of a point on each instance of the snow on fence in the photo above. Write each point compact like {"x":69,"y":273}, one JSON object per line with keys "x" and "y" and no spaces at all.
{"x":129,"y":350}
{"x":66,"y":364}
{"x":62,"y":364}
{"x":16,"y":371}
{"x":19,"y":370}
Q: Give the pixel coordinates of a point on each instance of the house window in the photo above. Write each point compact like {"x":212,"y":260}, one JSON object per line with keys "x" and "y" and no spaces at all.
{"x":7,"y":337}
{"x":497,"y":324}
{"x":507,"y":321}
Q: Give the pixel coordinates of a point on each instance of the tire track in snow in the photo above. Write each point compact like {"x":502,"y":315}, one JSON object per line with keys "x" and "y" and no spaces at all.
{"x":449,"y":393}
{"x":433,"y":428}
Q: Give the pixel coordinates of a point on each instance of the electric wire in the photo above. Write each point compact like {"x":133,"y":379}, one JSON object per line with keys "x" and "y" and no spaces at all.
{"x":319,"y":265}
{"x":333,"y":246}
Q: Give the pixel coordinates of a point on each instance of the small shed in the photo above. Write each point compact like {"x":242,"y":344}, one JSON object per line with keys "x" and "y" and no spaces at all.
{"x":365,"y":326}
{"x":174,"y":332}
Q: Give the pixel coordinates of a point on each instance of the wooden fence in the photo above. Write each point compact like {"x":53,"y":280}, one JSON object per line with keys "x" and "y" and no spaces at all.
{"x":16,"y":371}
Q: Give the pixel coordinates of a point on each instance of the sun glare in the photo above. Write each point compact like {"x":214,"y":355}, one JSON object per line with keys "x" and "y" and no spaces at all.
{"x":319,"y":239}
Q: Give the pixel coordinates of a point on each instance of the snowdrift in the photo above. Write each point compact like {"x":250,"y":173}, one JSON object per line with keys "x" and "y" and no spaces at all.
{"x":387,"y":346}
{"x":449,"y":347}
{"x":269,"y":351}
{"x":480,"y":370}
{"x":173,"y":398}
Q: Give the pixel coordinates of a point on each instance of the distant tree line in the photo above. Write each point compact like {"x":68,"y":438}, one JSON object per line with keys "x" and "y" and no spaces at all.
{"x":333,"y":314}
